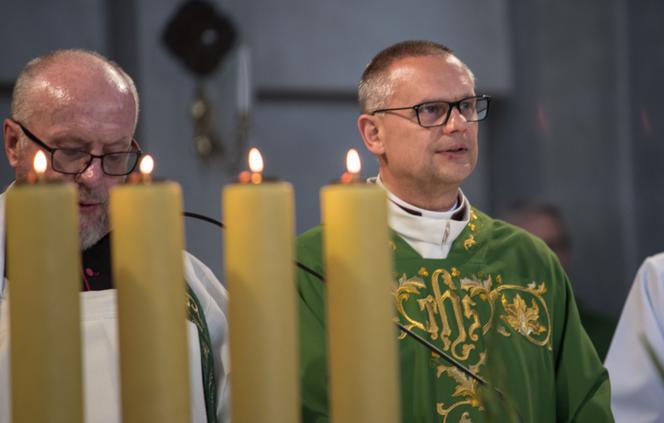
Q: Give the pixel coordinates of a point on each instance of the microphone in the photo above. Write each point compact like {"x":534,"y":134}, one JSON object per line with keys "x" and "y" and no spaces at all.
{"x":418,"y":338}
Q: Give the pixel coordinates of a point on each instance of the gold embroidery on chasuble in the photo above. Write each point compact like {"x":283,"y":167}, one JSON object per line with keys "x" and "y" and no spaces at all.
{"x":469,"y":242}
{"x":455,"y":311}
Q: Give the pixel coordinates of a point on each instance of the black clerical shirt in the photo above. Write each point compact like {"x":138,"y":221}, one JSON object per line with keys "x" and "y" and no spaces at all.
{"x":96,"y":272}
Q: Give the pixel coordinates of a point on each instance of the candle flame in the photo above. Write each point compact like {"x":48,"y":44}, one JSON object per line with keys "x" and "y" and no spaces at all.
{"x":255,"y":160}
{"x":353,"y":164}
{"x":147,"y":165}
{"x":40,"y":162}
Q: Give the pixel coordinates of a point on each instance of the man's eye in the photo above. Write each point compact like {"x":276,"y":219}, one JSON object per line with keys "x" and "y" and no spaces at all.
{"x":468,"y":105}
{"x":116,"y":158}
{"x":433,"y":109}
{"x":71,"y":154}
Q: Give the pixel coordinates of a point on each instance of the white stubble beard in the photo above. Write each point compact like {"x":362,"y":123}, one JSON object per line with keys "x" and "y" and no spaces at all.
{"x":93,"y":227}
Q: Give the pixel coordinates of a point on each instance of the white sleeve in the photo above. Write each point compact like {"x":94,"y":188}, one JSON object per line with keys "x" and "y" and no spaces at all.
{"x":214,"y":301}
{"x":637,"y":391}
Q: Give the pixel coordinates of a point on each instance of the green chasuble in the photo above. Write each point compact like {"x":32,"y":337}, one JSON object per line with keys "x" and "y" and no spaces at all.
{"x":501,"y":304}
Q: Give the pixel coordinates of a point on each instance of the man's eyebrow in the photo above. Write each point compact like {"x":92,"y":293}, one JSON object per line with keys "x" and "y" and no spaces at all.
{"x":119,"y":146}
{"x":76,"y":143}
{"x":438,"y":99}
{"x":69,"y":142}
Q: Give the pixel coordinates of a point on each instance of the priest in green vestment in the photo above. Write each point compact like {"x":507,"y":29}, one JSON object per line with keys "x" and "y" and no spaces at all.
{"x":488,"y":294}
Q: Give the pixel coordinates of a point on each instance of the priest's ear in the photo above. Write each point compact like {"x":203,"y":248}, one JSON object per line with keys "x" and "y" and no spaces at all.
{"x":371,"y":132}
{"x":10,"y":132}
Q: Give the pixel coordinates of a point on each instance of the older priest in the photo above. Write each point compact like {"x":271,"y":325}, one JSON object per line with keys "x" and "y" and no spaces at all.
{"x":81,"y":109}
{"x":489,"y":294}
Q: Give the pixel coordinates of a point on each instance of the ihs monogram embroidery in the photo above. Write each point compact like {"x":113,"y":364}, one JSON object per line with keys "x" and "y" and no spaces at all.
{"x":456,"y":311}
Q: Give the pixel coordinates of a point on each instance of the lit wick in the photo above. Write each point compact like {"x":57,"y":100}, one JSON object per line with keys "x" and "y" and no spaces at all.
{"x":146,"y":167}
{"x":39,"y":165}
{"x":255,"y":175}
{"x":353,"y":167}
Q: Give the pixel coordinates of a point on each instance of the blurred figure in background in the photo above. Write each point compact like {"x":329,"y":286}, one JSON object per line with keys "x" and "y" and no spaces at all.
{"x":546,"y":222}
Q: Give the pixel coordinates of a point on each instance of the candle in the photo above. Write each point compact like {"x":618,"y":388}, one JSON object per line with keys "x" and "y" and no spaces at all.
{"x":146,"y":245}
{"x":44,"y":265}
{"x":361,"y":335}
{"x":262,"y":308}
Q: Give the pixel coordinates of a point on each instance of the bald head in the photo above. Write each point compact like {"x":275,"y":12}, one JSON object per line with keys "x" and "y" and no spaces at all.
{"x":66,"y":77}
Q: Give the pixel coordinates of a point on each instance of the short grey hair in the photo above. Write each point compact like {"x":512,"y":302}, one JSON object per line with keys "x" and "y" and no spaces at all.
{"x":21,"y":109}
{"x":376,"y":88}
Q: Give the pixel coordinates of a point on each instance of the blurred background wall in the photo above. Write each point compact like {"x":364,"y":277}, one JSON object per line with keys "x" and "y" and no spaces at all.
{"x":575,"y":119}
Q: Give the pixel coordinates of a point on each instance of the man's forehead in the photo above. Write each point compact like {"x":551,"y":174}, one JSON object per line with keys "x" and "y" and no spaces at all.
{"x":58,"y":92}
{"x":57,"y":97}
{"x":80,"y":69}
{"x":445,"y":74}
{"x":67,"y":83}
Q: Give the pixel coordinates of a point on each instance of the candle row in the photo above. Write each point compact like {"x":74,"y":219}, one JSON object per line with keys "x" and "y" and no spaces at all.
{"x":44,"y":273}
{"x":263,"y":328}
{"x":147,"y":267}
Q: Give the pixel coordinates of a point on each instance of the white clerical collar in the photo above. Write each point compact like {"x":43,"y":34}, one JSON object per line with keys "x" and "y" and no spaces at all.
{"x":430,"y":233}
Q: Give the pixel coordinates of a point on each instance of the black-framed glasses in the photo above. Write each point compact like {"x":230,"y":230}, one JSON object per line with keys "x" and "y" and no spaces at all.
{"x":74,"y":162}
{"x":437,"y":113}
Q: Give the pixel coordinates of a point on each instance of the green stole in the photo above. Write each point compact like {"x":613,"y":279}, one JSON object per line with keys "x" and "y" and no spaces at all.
{"x":196,"y":316}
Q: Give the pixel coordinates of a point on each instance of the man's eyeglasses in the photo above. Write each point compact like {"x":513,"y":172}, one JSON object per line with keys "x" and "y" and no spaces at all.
{"x":73,"y":162}
{"x":437,"y":113}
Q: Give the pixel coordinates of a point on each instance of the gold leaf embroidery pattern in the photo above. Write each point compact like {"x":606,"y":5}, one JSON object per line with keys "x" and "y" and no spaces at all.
{"x":523,"y":319}
{"x":454,"y":320}
{"x":466,"y":388}
{"x":520,"y":317}
{"x":469,"y":242}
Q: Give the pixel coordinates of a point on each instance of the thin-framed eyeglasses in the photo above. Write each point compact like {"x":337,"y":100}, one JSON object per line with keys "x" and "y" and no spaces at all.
{"x":437,"y":113}
{"x":72,"y":161}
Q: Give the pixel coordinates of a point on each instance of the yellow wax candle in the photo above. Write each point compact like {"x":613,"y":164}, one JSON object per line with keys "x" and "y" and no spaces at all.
{"x":44,"y":271}
{"x":361,"y":332}
{"x":263,"y":323}
{"x":147,"y":244}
